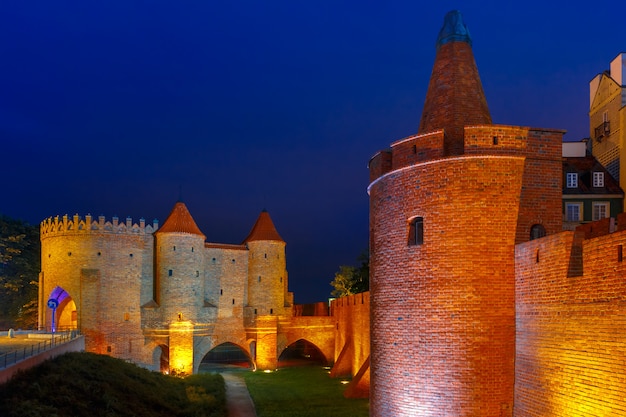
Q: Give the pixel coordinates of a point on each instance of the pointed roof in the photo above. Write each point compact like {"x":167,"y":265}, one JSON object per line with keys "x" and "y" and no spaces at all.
{"x":180,"y":221}
{"x":263,"y":229}
{"x":455,"y":96}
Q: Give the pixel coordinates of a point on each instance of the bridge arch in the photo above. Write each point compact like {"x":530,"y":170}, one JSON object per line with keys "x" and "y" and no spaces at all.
{"x":226,"y":355}
{"x":301,"y":352}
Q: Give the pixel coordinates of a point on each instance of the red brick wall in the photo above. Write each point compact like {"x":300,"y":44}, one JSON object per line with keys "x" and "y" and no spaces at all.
{"x":570,"y":326}
{"x":380,"y":164}
{"x":351,"y":316}
{"x":541,"y":190}
{"x":417,"y":148}
{"x":443,"y":313}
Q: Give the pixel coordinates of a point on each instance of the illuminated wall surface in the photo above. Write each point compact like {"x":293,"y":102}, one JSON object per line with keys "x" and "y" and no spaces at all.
{"x":163,"y":298}
{"x":571,"y":323}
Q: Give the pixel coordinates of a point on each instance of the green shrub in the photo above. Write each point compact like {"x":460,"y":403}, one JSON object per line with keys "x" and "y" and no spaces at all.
{"x":86,"y":384}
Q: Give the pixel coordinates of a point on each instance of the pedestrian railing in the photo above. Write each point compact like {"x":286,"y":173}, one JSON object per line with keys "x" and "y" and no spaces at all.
{"x":51,"y":340}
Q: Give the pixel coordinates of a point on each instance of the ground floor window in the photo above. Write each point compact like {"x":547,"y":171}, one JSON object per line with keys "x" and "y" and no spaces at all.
{"x":600,"y":210}
{"x":573,"y":212}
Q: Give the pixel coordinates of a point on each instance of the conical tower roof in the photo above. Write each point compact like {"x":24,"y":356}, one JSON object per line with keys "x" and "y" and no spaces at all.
{"x":180,"y":221}
{"x":455,"y":96}
{"x":263,"y":229}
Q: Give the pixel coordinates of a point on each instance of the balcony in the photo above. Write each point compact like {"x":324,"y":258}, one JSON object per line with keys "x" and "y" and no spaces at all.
{"x":602,"y":130}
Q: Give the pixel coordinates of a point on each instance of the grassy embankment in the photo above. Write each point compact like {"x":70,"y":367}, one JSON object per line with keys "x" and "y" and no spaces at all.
{"x":302,"y":392}
{"x":84,"y":384}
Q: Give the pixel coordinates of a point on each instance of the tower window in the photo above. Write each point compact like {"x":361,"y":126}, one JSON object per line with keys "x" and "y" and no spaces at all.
{"x":259,"y":278}
{"x":271,"y":311}
{"x":619,"y":253}
{"x":169,"y":273}
{"x":174,"y":248}
{"x":537,"y":231}
{"x":495,"y":140}
{"x":416,"y":231}
{"x":233,"y":301}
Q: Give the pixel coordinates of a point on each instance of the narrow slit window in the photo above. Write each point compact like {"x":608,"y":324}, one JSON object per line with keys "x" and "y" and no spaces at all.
{"x":416,"y":231}
{"x":619,"y":253}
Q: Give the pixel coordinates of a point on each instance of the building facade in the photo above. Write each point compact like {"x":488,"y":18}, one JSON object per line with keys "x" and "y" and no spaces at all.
{"x":164,"y":298}
{"x":607,"y":118}
{"x":590,"y":192}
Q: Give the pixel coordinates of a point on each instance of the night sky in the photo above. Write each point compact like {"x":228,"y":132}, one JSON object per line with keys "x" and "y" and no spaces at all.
{"x":112,"y":108}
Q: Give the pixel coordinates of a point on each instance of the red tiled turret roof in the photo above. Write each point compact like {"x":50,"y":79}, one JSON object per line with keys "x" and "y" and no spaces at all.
{"x":263,"y":229}
{"x":180,"y":221}
{"x":455,"y":96}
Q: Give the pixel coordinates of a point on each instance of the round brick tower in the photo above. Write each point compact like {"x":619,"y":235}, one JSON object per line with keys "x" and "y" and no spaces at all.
{"x":180,"y":267}
{"x":447,"y":207}
{"x":267,"y":271}
{"x":94,"y":270}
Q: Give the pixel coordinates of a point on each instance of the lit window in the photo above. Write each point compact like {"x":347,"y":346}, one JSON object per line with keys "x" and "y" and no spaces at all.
{"x":572,"y":180}
{"x":598,"y":179}
{"x":416,"y":231}
{"x":573,"y":212}
{"x":600,"y":210}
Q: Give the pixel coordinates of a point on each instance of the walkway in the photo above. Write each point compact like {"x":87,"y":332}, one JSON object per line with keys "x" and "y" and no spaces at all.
{"x":238,"y":399}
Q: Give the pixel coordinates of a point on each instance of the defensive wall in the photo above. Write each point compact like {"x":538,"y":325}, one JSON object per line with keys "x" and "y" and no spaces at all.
{"x":351,"y":317}
{"x":570,"y":323}
{"x":164,"y":298}
{"x":570,"y":298}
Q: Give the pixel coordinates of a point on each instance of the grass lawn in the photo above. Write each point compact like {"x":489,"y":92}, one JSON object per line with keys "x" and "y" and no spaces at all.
{"x":302,"y":392}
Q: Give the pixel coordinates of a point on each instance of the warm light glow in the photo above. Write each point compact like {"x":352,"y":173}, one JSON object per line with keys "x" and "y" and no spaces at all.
{"x":181,"y":348}
{"x":268,"y":371}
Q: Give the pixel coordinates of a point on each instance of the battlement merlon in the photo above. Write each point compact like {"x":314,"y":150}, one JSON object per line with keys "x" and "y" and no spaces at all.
{"x":53,"y":226}
{"x":478,"y":139}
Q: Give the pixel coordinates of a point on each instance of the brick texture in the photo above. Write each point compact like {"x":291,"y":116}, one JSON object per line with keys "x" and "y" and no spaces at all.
{"x":570,"y":351}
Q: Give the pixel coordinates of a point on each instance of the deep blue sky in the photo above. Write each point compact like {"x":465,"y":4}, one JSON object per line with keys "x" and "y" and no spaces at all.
{"x":110,"y":107}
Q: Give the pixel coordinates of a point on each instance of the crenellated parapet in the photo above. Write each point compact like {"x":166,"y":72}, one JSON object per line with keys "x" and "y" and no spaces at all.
{"x":54,"y":226}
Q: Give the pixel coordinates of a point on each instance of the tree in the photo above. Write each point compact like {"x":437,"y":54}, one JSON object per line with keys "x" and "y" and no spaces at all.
{"x":19,"y":272}
{"x":352,"y":279}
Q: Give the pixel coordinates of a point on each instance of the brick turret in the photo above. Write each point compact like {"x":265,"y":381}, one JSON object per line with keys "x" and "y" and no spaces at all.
{"x":179,"y":255}
{"x":447,"y":207}
{"x":455,"y":96}
{"x":267,"y":271}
